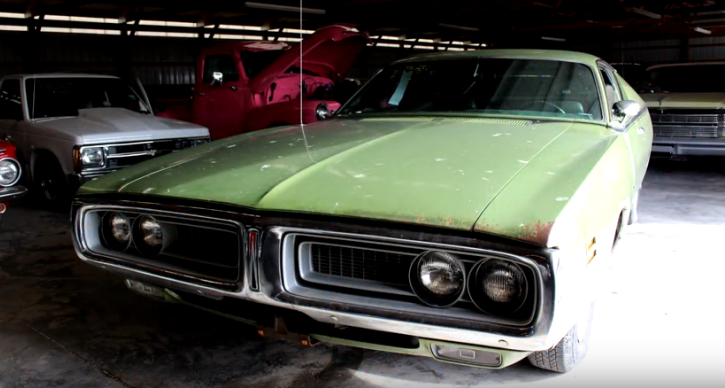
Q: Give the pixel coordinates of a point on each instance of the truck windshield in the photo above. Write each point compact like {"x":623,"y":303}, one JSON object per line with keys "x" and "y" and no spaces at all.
{"x":686,"y":79}
{"x":61,"y":97}
{"x":514,"y":87}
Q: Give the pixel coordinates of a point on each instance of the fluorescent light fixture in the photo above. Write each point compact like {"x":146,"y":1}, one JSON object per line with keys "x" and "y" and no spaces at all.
{"x":388,"y":37}
{"x":424,"y":48}
{"x":553,"y":39}
{"x":703,"y":31}
{"x":289,"y":39}
{"x":455,"y":27}
{"x":455,"y":49}
{"x":235,"y":27}
{"x":167,"y":34}
{"x":238,"y":37}
{"x":297,"y":31}
{"x":165,"y":23}
{"x":12,"y":15}
{"x":13,"y":28}
{"x":646,"y":13}
{"x":276,"y":7}
{"x":387,"y":45}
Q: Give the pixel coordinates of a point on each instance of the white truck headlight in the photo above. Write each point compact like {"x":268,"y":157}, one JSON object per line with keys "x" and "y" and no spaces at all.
{"x":9,"y":172}
{"x":92,"y":157}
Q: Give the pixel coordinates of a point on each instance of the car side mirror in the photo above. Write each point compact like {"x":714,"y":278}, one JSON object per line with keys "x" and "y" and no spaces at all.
{"x":217,"y":78}
{"x":623,"y":110}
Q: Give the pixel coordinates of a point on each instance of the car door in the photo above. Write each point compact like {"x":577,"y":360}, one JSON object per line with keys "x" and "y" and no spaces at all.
{"x":220,"y":106}
{"x":11,"y":111}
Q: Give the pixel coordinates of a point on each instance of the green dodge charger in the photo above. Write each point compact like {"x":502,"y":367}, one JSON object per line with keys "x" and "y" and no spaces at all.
{"x":457,"y":207}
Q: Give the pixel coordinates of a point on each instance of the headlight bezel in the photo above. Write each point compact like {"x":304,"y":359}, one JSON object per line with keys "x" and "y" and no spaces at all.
{"x":107,"y":232}
{"x":18,"y":171}
{"x":139,"y":236}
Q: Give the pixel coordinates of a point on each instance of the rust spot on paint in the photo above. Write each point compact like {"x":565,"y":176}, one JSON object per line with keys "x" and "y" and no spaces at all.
{"x":536,"y":233}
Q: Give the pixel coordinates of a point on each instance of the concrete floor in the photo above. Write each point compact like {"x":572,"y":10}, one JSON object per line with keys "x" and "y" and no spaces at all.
{"x":64,"y":324}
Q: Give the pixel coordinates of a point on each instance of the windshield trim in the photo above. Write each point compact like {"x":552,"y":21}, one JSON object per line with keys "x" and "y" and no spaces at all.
{"x":595,"y":70}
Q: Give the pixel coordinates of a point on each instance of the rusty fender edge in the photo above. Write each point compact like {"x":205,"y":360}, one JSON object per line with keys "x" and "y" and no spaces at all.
{"x":424,"y":349}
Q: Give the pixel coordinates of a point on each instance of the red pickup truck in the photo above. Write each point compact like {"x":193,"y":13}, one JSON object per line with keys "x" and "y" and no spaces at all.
{"x":246,"y":86}
{"x":9,"y":174}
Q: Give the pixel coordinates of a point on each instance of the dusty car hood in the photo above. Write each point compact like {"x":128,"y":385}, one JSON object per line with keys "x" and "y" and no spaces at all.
{"x":329,"y":52}
{"x":441,"y":172}
{"x":104,"y":125}
{"x":685,"y":100}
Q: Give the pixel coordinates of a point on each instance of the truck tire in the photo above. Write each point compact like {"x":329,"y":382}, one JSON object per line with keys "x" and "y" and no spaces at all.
{"x":51,"y":184}
{"x":569,"y":352}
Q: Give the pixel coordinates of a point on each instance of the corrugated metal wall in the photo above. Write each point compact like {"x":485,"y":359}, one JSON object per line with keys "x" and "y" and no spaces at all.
{"x":672,"y":50}
{"x":156,"y":61}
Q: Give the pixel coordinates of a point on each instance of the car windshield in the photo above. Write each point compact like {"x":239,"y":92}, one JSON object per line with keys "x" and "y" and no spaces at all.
{"x":515,"y":87}
{"x":686,"y":79}
{"x":61,"y":97}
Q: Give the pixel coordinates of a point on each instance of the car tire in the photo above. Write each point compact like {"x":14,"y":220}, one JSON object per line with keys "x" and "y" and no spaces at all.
{"x":570,"y":351}
{"x":51,"y":185}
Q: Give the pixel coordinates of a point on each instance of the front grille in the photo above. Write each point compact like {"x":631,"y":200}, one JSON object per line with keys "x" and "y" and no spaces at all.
{"x":390,"y":268}
{"x":124,"y":155}
{"x":684,"y":119}
{"x":682,"y":123}
{"x":373,"y":269}
{"x":691,"y":132}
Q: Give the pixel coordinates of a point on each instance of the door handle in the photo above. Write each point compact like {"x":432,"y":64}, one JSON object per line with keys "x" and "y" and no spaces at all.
{"x":200,"y":94}
{"x":640,"y":130}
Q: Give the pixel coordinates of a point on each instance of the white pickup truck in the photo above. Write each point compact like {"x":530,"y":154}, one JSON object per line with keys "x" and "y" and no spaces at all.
{"x":70,"y":128}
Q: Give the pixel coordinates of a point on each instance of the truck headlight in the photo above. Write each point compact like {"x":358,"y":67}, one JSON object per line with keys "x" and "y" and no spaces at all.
{"x":92,"y":157}
{"x":322,"y":112}
{"x":9,"y":172}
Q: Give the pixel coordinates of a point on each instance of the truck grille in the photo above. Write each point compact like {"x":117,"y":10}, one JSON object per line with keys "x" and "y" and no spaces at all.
{"x":692,"y":132}
{"x":686,"y":124}
{"x":124,"y":155}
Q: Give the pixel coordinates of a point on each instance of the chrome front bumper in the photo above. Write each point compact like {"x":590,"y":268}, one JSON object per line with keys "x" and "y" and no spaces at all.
{"x":543,"y":333}
{"x":689,"y":146}
{"x":12,"y":193}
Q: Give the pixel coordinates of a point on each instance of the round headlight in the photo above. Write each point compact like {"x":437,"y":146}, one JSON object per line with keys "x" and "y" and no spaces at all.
{"x":116,"y":230}
{"x":148,"y":235}
{"x":437,"y":278}
{"x":497,"y":286}
{"x":9,"y":172}
{"x":323,"y":111}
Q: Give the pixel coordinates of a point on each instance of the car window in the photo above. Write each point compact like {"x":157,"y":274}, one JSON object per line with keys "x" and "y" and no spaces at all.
{"x":11,"y":106}
{"x":518,"y":87}
{"x":222,"y":63}
{"x":611,"y":90}
{"x":66,"y":96}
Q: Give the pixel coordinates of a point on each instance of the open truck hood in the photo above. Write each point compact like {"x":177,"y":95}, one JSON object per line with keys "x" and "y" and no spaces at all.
{"x":329,"y":52}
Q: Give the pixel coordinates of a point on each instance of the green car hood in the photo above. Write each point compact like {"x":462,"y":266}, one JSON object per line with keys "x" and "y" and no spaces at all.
{"x":435,"y":171}
{"x":685,"y":100}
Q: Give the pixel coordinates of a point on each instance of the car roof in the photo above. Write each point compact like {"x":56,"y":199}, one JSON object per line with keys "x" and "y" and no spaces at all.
{"x":556,"y":55}
{"x":60,"y":75}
